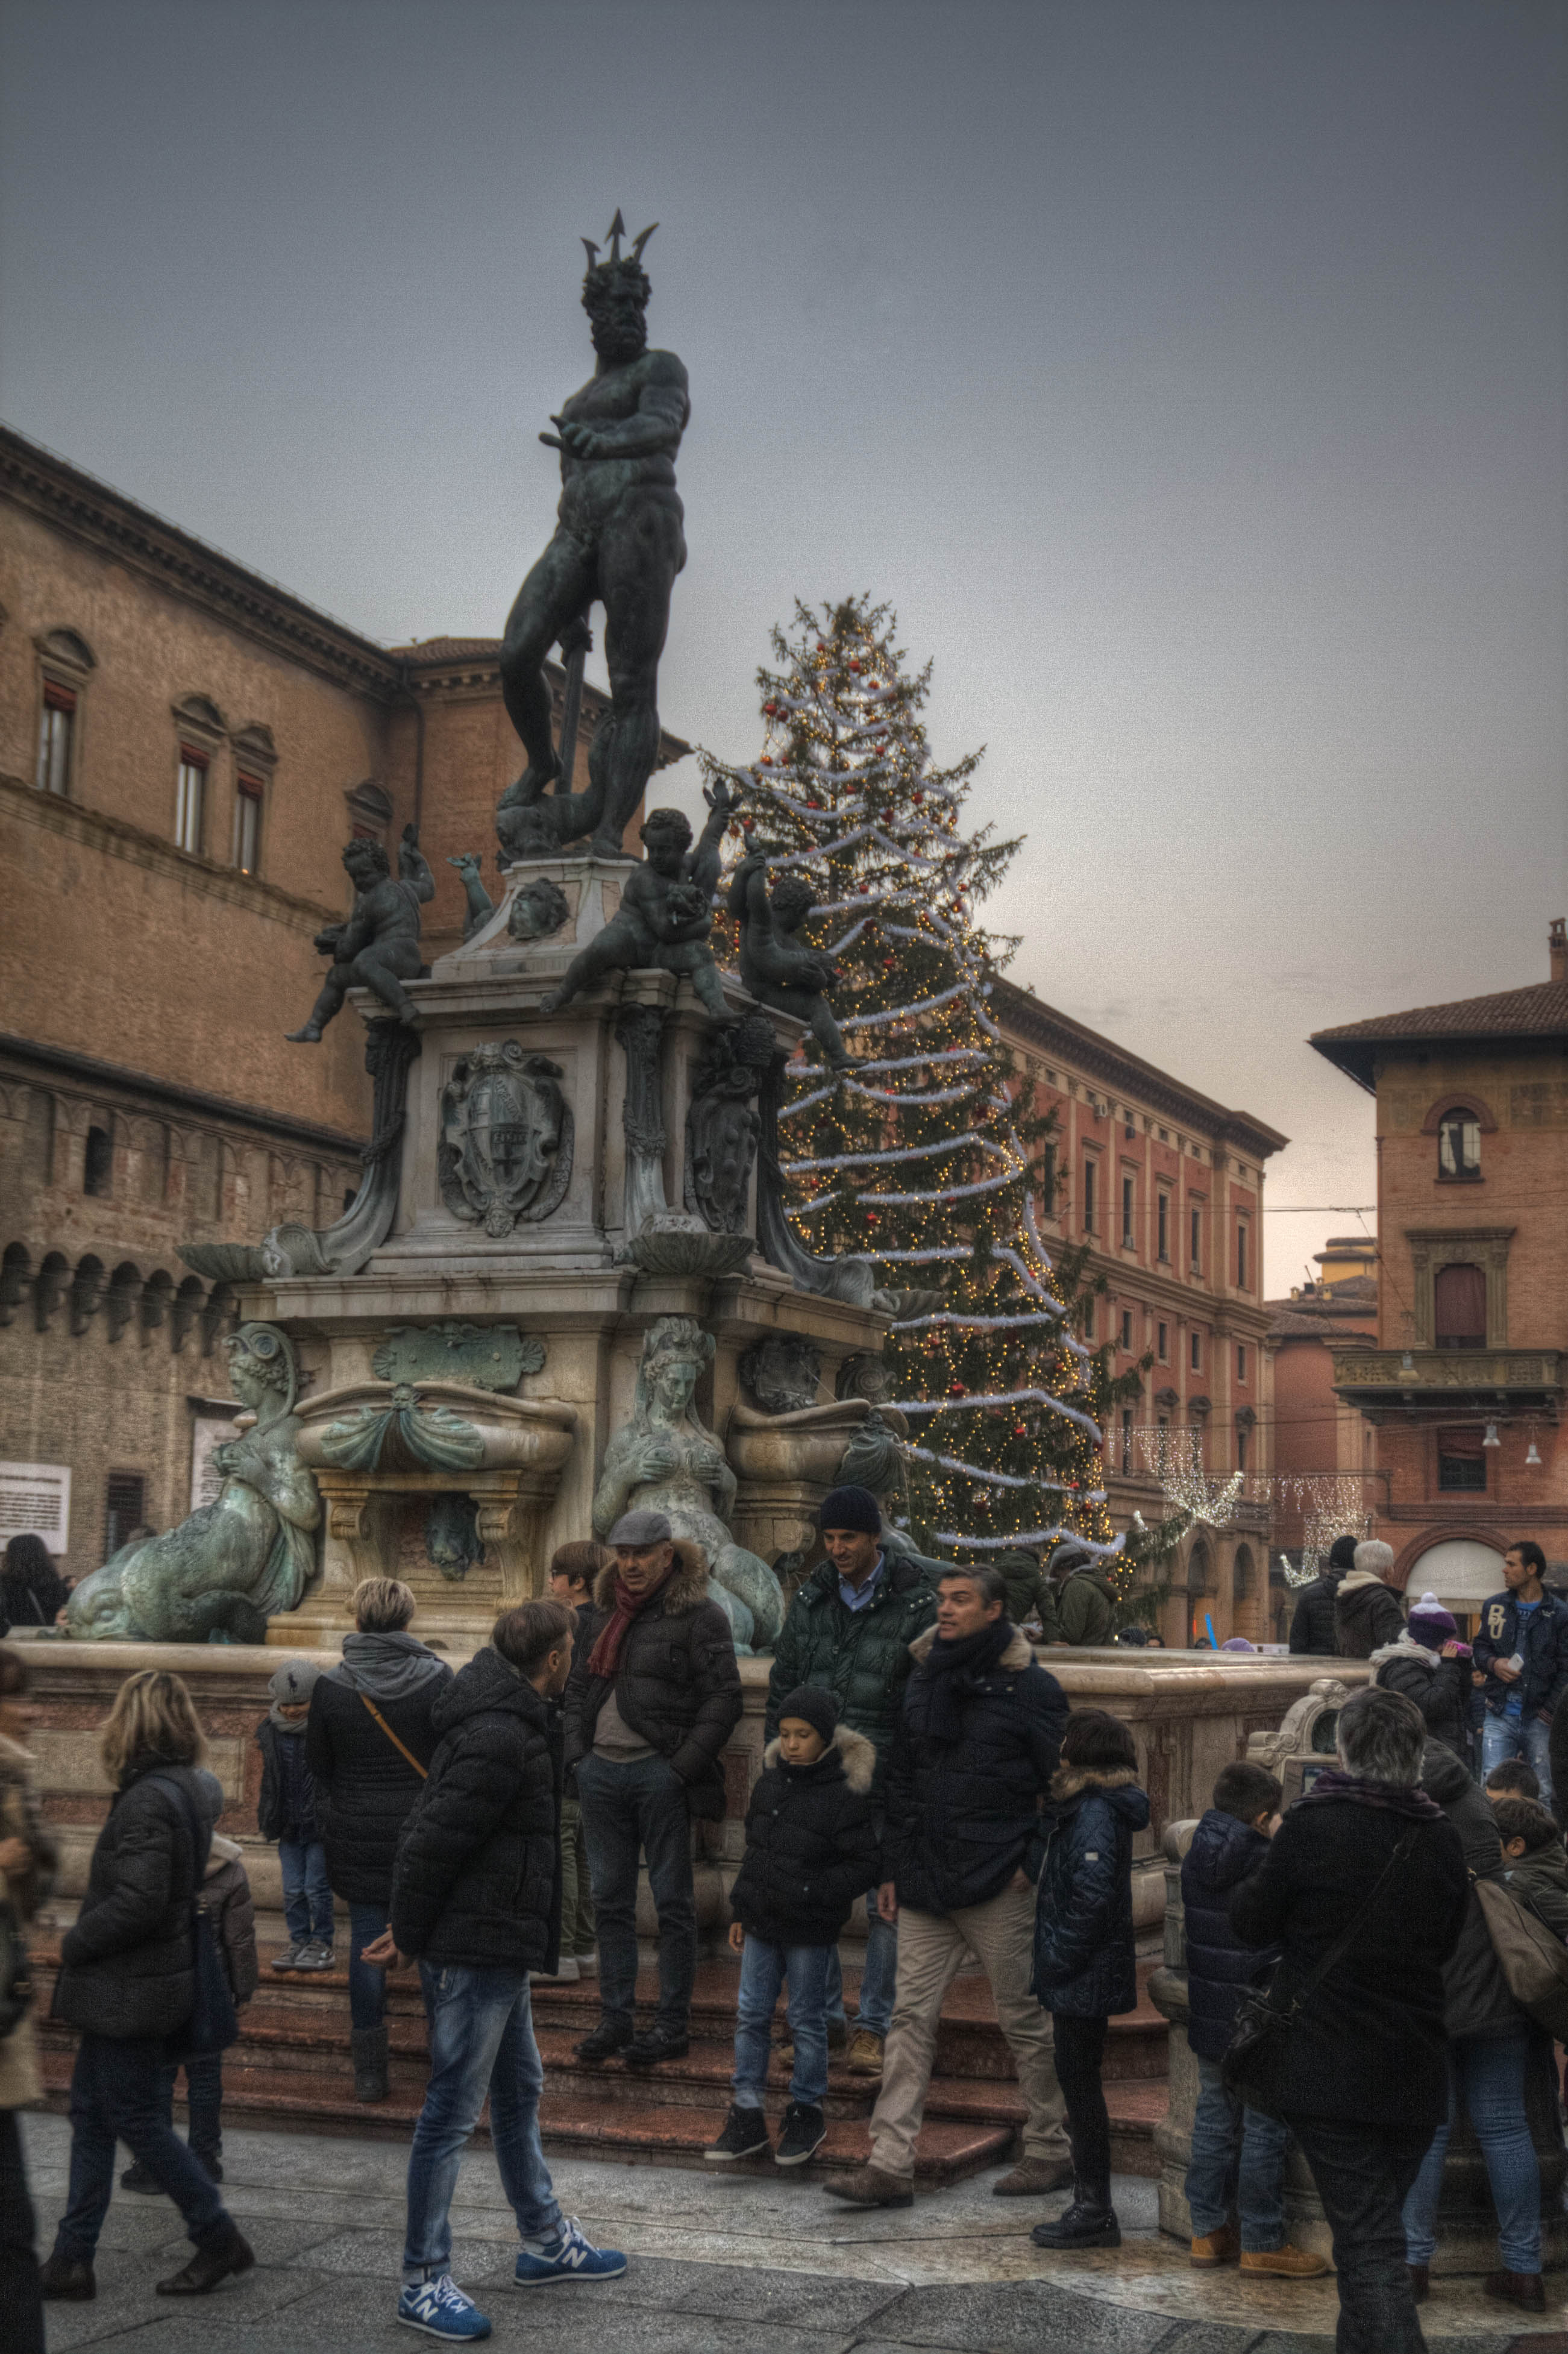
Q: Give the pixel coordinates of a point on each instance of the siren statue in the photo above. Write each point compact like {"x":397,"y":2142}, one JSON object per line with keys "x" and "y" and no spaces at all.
{"x":619,"y":539}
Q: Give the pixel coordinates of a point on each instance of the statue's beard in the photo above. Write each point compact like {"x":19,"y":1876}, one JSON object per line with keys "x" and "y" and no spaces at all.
{"x":618,"y":339}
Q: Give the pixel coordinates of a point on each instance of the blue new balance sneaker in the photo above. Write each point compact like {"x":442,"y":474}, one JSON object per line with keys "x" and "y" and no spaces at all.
{"x":569,"y":2257}
{"x":440,"y":2308}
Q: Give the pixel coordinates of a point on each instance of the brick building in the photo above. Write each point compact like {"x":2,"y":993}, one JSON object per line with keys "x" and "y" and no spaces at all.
{"x":1465,"y":1386}
{"x":1318,"y":1437}
{"x":1167,"y":1187}
{"x":185,"y":747}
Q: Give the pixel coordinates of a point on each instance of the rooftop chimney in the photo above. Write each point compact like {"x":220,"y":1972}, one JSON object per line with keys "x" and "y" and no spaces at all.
{"x":1559,"y":939}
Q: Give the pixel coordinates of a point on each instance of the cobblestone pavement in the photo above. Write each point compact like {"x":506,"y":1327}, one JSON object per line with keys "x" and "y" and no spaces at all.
{"x":751,"y":2264}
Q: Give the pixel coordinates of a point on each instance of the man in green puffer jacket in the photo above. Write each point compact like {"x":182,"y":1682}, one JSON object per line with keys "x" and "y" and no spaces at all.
{"x":849,"y":1629}
{"x":1084,"y":1599}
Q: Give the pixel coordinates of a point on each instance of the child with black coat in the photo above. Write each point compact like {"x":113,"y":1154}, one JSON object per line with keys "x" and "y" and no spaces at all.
{"x":287,"y":1811}
{"x":1238,"y":2153}
{"x":811,"y":1850}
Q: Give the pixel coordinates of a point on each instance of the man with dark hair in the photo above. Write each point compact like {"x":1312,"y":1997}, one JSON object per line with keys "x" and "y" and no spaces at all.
{"x":849,"y":1628}
{"x":476,"y":1895}
{"x":1522,"y":1651}
{"x":573,"y":1570}
{"x":1312,"y":1625}
{"x":976,"y":1744}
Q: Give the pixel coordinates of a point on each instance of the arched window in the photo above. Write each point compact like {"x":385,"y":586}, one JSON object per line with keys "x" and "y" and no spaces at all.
{"x":1459,"y":1307}
{"x":1458,"y":1147}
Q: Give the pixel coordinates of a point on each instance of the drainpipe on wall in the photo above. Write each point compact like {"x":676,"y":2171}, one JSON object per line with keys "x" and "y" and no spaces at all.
{"x":412,"y":692}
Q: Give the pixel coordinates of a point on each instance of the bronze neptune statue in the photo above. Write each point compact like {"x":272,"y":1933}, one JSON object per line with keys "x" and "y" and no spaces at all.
{"x":619,"y":539}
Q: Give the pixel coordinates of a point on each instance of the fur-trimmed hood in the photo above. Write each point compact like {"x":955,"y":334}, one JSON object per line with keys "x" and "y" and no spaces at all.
{"x":686,"y":1585}
{"x":1069,"y":1782}
{"x":1019,"y":1653}
{"x":1406,"y":1647}
{"x":856,"y":1755}
{"x":1354,"y":1579}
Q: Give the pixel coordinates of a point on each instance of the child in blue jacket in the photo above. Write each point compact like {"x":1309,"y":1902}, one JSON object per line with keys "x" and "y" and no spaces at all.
{"x":1085,"y":1968}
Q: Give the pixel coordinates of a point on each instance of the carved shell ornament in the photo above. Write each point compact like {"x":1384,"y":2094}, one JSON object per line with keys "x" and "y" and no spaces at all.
{"x":505,"y":1152}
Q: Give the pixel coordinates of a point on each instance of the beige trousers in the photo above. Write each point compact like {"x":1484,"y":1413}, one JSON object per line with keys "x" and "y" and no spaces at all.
{"x":931,"y":1946}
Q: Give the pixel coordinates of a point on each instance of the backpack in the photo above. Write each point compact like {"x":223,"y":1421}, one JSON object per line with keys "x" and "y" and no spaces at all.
{"x":1533,"y":1960}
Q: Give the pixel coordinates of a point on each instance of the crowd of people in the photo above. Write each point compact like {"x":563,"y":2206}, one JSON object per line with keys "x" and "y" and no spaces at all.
{"x":1347,"y":1996}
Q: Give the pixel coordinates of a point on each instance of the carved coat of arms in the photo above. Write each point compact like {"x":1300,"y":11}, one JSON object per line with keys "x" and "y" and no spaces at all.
{"x":505,"y":1151}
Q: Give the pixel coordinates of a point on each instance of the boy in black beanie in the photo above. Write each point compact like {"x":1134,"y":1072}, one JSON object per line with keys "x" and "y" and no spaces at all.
{"x":811,"y":1850}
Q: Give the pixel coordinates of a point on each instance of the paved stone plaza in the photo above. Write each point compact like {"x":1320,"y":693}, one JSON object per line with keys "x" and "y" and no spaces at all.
{"x":737,"y":2264}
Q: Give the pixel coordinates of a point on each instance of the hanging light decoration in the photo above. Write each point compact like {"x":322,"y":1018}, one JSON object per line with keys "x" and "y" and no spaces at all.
{"x":1491,"y":1438}
{"x":1533,"y":1453}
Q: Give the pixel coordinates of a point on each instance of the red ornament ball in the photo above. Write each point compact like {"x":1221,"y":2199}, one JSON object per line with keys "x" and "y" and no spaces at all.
{"x":765,"y":761}
{"x":770,"y":710}
{"x":854,"y":666}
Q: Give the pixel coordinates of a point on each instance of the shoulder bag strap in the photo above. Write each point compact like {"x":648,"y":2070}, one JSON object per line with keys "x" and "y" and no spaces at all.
{"x":200,"y":1851}
{"x":1347,"y":1936}
{"x":392,"y":1737}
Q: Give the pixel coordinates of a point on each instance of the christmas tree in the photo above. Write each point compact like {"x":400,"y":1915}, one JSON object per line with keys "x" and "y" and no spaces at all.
{"x":926,"y":1156}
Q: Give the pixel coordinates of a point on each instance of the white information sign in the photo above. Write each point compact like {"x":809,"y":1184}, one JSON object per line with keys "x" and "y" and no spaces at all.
{"x":208,"y":1430}
{"x":35,"y":1500}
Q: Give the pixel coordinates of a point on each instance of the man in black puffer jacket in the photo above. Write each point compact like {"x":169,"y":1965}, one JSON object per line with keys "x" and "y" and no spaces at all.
{"x":654,"y":1698}
{"x":476,"y":1898}
{"x":1312,"y":1629}
{"x":972,"y":1758}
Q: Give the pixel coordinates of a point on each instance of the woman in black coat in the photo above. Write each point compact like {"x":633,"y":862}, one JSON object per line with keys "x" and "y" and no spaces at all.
{"x":368,"y":1744}
{"x":127,"y":1981}
{"x":1361,"y":2076}
{"x":32,"y":1591}
{"x":1430,"y":1666}
{"x":1085,"y":1968}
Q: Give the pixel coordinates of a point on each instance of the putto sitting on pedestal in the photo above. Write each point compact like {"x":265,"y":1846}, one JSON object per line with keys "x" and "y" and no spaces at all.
{"x":378,"y":948}
{"x":666,"y":915}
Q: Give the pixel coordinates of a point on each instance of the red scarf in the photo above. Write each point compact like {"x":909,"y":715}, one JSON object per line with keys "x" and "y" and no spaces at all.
{"x":604,"y":1660}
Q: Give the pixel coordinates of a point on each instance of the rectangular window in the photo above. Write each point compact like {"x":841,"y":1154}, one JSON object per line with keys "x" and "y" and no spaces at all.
{"x":1240,"y":1450}
{"x":1128,"y":1238}
{"x":1240,"y":1361}
{"x":1241,"y":1259}
{"x":1048,"y":1180}
{"x":1129,"y":1124}
{"x":1196,"y":1354}
{"x":1090,"y":1174}
{"x":1163,"y":1225}
{"x":1125,"y":1440}
{"x":190,"y":806}
{"x":248,"y":825}
{"x":1461,"y":1462}
{"x":1196,"y":1223}
{"x":124,"y":1509}
{"x":1164,"y":1344}
{"x":1126,"y":1328}
{"x":56,"y":725}
{"x":1088,"y":1319}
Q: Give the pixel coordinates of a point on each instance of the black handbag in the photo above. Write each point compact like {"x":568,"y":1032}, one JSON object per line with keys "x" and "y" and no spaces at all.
{"x":214,"y":2023}
{"x":1262,"y":2025}
{"x":15,"y":1971}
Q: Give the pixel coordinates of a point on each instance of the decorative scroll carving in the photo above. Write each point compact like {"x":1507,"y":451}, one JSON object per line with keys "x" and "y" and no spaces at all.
{"x":485,"y":1356}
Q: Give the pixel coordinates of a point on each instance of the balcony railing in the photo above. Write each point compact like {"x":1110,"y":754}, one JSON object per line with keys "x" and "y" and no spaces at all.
{"x":1437,"y":1379}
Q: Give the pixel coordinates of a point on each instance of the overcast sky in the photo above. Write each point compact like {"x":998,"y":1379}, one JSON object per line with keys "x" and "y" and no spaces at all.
{"x":1190,"y":376}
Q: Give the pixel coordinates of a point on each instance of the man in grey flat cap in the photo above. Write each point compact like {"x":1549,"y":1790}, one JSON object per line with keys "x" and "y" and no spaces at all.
{"x":654,"y":1696}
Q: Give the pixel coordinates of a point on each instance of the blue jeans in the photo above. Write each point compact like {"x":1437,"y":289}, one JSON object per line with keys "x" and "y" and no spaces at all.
{"x":878,"y":1976}
{"x":764,"y":1968}
{"x":1488,"y":2074}
{"x":1514,"y":1736}
{"x":482,"y":2042}
{"x":1237,"y":2154}
{"x":627,"y":1810}
{"x":119,"y":2092}
{"x":307,"y":1897}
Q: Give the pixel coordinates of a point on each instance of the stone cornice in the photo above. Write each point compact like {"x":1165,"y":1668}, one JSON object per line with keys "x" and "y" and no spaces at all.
{"x":1025,"y":1017}
{"x":115,"y":837}
{"x":103,"y":519}
{"x":86,"y":1072}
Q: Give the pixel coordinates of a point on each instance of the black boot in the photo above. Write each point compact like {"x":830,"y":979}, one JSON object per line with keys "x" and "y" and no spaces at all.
{"x":66,"y":2277}
{"x":656,"y":2044}
{"x":369,"y":2047}
{"x":229,"y":2253}
{"x":603,"y":2041}
{"x":1089,"y":2222}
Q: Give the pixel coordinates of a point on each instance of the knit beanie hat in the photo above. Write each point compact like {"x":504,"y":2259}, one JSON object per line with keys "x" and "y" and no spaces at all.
{"x":1431,"y":1625}
{"x":851,"y":1508}
{"x":813,"y":1704}
{"x":209,"y":1793}
{"x":294,"y":1682}
{"x":1342,"y":1554}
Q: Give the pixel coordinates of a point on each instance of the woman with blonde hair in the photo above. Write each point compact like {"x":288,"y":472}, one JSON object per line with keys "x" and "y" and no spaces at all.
{"x":26,"y":1870}
{"x":127,"y":1981}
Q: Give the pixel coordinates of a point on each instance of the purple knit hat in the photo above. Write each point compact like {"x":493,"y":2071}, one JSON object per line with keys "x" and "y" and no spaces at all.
{"x":1432,"y":1625}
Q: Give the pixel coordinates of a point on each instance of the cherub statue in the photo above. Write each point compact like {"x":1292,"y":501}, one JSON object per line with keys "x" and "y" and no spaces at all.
{"x":778,"y":969}
{"x":666,"y":1460}
{"x":218,"y":1576}
{"x":666,"y":911}
{"x":378,"y":948}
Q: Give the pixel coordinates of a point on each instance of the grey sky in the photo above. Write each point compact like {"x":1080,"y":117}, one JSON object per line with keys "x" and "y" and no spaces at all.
{"x":1191,"y":377}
